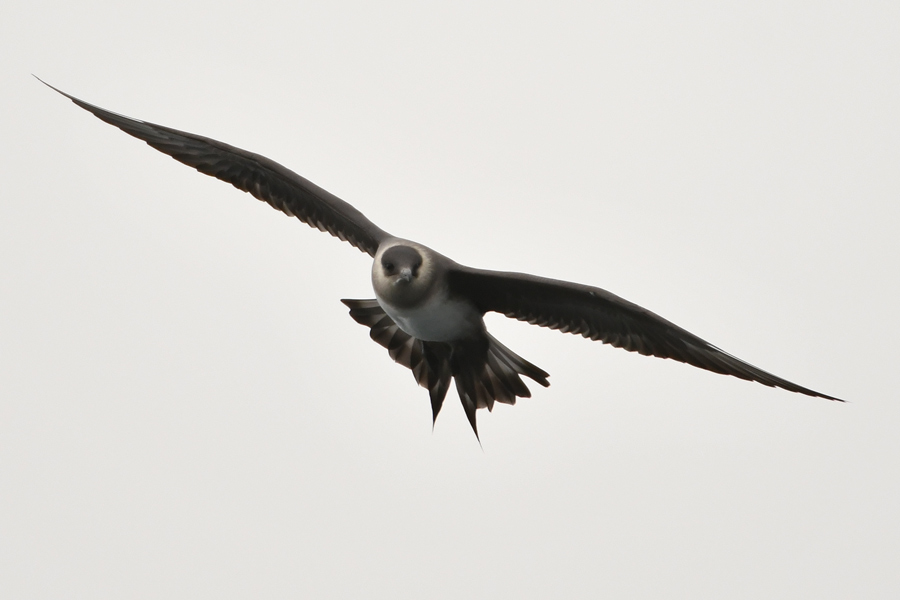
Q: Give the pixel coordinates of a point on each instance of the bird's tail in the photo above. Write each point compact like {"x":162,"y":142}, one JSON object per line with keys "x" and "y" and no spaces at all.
{"x":485,"y":371}
{"x":428,"y":361}
{"x":491,"y":372}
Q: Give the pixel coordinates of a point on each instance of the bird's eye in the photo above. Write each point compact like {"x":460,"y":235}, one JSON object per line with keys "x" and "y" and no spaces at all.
{"x":388,"y":266}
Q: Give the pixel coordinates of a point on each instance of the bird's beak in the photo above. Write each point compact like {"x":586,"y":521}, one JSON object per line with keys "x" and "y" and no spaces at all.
{"x":406,"y":274}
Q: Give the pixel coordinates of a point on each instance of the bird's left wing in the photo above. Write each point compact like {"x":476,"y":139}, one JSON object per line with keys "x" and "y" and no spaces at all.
{"x":600,"y":315}
{"x":263,"y":178}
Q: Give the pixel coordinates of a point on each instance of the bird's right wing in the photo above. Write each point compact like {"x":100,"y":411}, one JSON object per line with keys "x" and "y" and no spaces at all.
{"x":263,"y":178}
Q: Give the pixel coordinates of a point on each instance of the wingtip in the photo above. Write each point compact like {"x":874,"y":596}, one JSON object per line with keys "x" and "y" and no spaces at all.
{"x":55,"y":89}
{"x":813,"y":393}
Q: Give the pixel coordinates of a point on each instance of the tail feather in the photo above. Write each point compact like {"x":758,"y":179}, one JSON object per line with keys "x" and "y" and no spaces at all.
{"x":470,"y":405}
{"x":518,"y":364}
{"x":425,"y":360}
{"x":506,"y":389}
{"x":485,"y":371}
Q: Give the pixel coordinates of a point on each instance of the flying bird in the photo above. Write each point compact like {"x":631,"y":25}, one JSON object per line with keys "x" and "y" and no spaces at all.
{"x":428,"y":310}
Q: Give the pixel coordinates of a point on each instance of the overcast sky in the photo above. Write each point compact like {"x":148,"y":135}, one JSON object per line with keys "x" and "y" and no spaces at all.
{"x":187,"y":410}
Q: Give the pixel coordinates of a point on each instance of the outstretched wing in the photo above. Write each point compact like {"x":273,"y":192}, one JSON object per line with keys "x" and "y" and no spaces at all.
{"x":599,"y":315}
{"x":265,"y":179}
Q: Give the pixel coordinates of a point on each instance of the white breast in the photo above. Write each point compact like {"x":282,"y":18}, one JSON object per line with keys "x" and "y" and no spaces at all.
{"x":439,"y":319}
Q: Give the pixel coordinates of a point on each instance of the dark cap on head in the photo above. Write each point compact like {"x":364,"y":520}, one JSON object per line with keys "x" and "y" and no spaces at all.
{"x":398,"y":257}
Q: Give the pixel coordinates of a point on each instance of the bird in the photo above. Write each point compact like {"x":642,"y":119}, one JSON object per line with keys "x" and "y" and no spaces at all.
{"x":428,"y":310}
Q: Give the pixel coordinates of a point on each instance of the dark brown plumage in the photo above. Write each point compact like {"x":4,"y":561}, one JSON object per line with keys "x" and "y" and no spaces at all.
{"x":429,"y":309}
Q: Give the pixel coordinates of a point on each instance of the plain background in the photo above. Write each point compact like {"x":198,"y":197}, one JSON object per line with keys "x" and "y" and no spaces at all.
{"x":187,"y":411}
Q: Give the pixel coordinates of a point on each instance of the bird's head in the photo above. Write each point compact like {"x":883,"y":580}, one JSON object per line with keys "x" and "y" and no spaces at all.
{"x":402,"y":274}
{"x":400,"y":265}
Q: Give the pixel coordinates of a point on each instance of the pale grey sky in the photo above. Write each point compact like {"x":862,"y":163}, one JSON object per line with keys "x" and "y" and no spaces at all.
{"x":186,"y":409}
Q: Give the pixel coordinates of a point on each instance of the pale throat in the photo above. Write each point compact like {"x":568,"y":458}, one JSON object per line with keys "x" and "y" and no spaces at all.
{"x":438,"y":318}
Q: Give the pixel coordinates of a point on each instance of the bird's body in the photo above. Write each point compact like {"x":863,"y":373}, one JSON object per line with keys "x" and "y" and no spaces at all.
{"x":428,"y":310}
{"x":440,"y":318}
